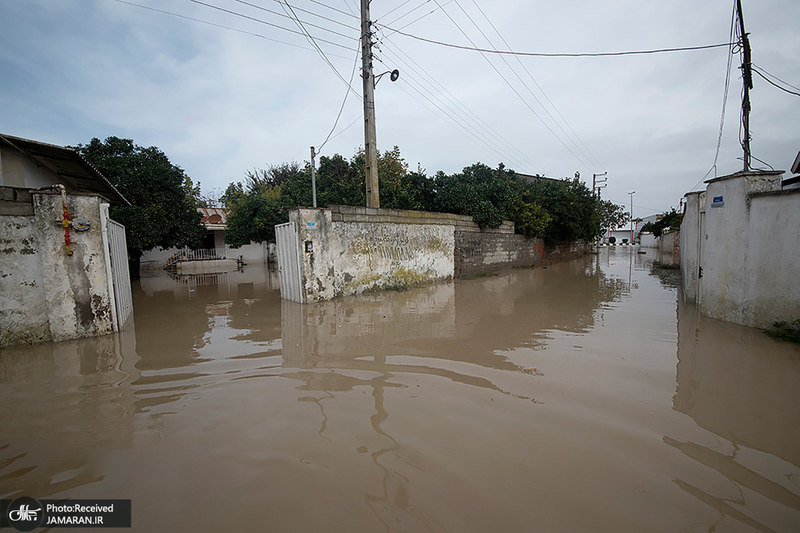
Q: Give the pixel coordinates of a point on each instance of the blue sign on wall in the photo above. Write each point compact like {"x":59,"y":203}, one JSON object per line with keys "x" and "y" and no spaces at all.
{"x":717,"y":202}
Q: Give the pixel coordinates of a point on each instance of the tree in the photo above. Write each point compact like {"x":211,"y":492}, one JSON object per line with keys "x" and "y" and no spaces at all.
{"x":252,"y":217}
{"x":671,"y":219}
{"x":611,"y":216}
{"x":163,"y":198}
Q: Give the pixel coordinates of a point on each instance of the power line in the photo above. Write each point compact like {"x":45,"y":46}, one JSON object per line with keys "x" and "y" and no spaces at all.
{"x":201,"y":21}
{"x":303,"y":11}
{"x":560,"y":54}
{"x":314,"y":43}
{"x":344,"y":101}
{"x":591,"y":155}
{"x":431,"y":12}
{"x":582,"y":162}
{"x":459,"y":115}
{"x":241,"y":15}
{"x":761,"y":73}
{"x":459,"y":106}
{"x":515,"y":91}
{"x":334,"y":9}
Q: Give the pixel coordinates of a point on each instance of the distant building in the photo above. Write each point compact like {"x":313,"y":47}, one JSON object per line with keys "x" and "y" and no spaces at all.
{"x":215,"y":221}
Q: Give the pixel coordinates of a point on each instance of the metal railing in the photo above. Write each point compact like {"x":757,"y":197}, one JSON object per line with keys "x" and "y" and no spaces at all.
{"x":202,"y":254}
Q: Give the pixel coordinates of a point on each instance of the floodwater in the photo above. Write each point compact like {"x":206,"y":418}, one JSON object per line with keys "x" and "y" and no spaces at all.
{"x":582,"y":397}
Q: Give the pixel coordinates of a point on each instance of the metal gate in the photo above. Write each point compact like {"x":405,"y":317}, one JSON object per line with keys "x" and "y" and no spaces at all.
{"x":121,"y":280}
{"x":287,"y":250}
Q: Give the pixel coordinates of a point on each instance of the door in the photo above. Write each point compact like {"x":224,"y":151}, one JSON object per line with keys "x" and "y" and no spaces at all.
{"x":287,"y":246}
{"x":118,"y":251}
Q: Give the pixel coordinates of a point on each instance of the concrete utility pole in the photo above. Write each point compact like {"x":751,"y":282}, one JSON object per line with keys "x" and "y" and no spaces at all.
{"x":313,"y":179}
{"x":747,"y":79}
{"x":370,"y":142}
{"x":631,"y":193}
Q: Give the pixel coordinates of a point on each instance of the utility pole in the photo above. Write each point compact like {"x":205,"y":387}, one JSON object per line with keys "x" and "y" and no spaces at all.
{"x":313,"y":179}
{"x":370,"y":146}
{"x":747,"y":78}
{"x":596,"y":183}
{"x":631,"y":193}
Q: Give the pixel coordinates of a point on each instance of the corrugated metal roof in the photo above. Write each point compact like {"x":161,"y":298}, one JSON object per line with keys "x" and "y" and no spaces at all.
{"x":214,"y":217}
{"x":76,"y":173}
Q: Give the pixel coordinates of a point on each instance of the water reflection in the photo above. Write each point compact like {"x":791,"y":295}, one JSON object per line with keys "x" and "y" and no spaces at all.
{"x":741,"y":386}
{"x":545,"y":399}
{"x":85,"y":387}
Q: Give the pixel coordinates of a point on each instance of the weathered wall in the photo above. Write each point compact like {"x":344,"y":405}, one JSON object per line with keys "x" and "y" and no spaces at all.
{"x":347,"y":250}
{"x":749,"y":250}
{"x":669,"y":248}
{"x":690,"y":243}
{"x":46,"y":295}
{"x":23,"y":307}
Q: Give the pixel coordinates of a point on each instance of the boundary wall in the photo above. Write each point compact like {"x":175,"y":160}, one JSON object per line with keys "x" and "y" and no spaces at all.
{"x":342,"y":250}
{"x":45,"y":294}
{"x":740,"y":249}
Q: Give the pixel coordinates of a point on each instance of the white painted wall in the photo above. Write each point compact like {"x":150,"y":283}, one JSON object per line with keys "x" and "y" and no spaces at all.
{"x":749,"y":250}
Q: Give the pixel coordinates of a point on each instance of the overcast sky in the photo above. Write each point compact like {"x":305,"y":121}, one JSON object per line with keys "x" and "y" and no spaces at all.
{"x":221,"y":93}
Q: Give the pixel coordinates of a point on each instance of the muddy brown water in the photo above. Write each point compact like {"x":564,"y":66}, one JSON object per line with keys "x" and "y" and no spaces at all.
{"x":584,"y":397}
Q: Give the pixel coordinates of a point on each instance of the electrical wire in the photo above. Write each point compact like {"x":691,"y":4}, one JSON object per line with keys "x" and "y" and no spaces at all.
{"x":591,"y":155}
{"x":334,"y":9}
{"x":314,"y":43}
{"x":344,"y":101}
{"x":323,"y":17}
{"x":515,"y":91}
{"x":559,"y":54}
{"x":455,"y":112}
{"x":761,"y":73}
{"x":524,"y":84}
{"x":242,"y":15}
{"x":420,"y":17}
{"x":201,"y":21}
{"x":449,"y":100}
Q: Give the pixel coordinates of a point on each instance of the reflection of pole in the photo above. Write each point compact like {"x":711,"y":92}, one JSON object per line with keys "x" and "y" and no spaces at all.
{"x":370,"y":142}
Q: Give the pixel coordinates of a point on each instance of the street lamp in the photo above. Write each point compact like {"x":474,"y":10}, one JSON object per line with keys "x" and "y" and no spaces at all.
{"x":631,"y":194}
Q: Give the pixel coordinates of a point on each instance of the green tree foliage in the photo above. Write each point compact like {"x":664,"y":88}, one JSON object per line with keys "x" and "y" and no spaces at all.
{"x":252,"y":217}
{"x":556,"y":210}
{"x":163,"y":198}
{"x":668,"y":220}
{"x":611,"y":215}
{"x":571,"y":206}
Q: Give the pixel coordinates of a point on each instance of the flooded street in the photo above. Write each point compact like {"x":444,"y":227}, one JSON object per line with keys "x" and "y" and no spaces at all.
{"x":578,"y":397}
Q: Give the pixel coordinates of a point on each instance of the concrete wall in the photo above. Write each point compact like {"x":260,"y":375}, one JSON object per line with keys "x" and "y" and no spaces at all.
{"x":648,"y":240}
{"x":349,"y":250}
{"x":669,"y":247}
{"x":46,"y":295}
{"x":748,"y":252}
{"x":690,"y":243}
